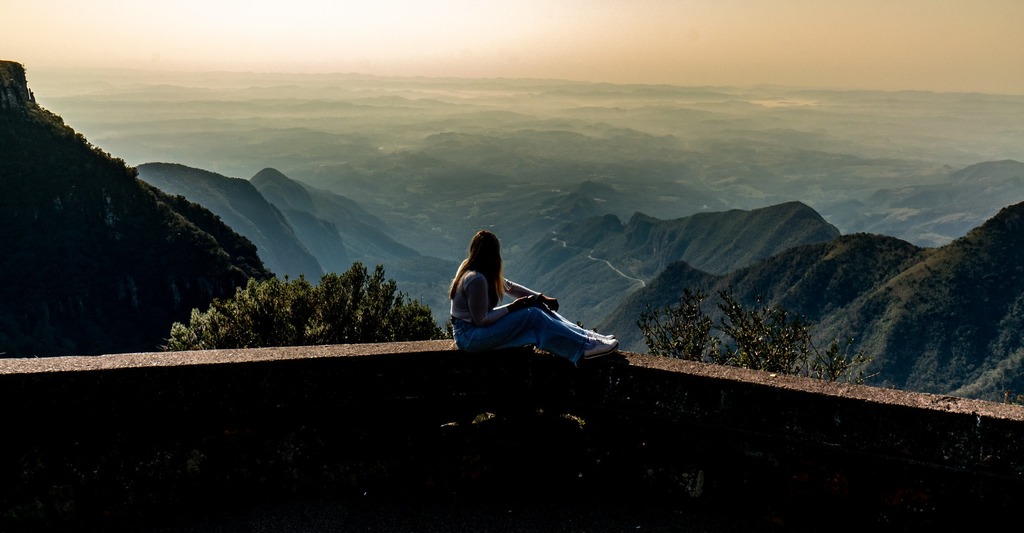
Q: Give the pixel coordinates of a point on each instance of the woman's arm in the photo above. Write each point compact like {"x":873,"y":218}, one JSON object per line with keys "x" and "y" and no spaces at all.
{"x":518,"y":291}
{"x":478,"y":300}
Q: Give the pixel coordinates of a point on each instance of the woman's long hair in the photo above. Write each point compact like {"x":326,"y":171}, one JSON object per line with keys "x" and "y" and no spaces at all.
{"x":485,"y":258}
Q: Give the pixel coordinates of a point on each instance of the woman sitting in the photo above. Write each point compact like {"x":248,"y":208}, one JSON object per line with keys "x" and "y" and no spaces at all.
{"x":481,"y":324}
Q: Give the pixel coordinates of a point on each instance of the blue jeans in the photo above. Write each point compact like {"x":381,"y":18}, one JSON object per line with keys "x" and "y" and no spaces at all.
{"x":544,"y":329}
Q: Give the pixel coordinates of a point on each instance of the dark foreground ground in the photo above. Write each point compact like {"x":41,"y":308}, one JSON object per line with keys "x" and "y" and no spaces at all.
{"x":570,"y":514}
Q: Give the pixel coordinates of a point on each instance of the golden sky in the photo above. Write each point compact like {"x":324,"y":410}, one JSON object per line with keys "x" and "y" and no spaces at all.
{"x":941,"y":45}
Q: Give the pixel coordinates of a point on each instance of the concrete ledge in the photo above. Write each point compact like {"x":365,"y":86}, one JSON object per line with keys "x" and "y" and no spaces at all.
{"x":135,"y":438}
{"x":37,"y":365}
{"x":950,"y":432}
{"x":813,"y":449}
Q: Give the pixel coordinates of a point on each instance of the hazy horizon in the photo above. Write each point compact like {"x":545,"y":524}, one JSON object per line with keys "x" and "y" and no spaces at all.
{"x":932,"y":45}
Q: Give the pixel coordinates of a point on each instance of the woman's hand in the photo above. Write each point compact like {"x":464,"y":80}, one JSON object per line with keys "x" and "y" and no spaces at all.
{"x":524,"y":302}
{"x":549,"y":302}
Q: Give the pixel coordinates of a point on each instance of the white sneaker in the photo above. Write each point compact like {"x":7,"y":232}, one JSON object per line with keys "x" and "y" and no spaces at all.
{"x":599,"y":347}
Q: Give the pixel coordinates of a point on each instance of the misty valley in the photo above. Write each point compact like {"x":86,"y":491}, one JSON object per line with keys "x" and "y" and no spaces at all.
{"x":612,"y":197}
{"x":434,"y":158}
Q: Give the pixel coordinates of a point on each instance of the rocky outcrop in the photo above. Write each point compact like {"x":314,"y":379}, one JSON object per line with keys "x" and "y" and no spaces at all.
{"x":14,"y":92}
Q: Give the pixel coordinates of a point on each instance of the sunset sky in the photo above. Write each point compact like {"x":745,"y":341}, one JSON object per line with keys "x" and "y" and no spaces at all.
{"x":941,"y":45}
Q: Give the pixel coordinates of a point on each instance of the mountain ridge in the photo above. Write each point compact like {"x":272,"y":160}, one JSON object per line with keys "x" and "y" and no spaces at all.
{"x":366,"y":237}
{"x":244,"y":209}
{"x":598,"y":261}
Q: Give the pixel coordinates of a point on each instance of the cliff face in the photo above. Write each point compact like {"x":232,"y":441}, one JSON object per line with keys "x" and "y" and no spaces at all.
{"x":92,"y":259}
{"x":14,"y":92}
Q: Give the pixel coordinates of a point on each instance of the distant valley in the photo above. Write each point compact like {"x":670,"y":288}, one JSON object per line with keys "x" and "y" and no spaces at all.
{"x":436,"y":159}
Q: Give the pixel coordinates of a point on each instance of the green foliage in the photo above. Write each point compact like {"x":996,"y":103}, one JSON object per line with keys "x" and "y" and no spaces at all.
{"x":760,"y":337}
{"x":837,"y":363}
{"x":764,"y":337}
{"x":681,"y":332}
{"x":1013,"y":398}
{"x":353,"y":307}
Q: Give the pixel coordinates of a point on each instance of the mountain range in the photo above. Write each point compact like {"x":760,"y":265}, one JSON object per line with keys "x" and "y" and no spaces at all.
{"x":945,"y":320}
{"x":302,"y":230}
{"x":596,"y":262}
{"x":916,"y":310}
{"x":285,"y":218}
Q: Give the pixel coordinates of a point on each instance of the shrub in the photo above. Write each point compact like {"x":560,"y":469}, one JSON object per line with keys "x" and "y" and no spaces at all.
{"x":354,"y":307}
{"x":760,"y":337}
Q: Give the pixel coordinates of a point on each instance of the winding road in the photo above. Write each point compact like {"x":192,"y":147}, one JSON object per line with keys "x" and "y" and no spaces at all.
{"x":605,"y":261}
